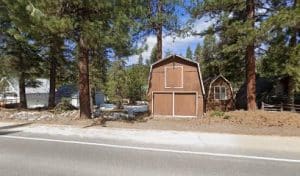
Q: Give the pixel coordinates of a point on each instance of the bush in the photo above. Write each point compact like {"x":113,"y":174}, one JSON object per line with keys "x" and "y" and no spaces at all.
{"x":217,"y":113}
{"x":63,"y":106}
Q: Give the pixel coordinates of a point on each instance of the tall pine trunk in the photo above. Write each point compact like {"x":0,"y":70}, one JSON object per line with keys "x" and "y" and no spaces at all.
{"x":84,"y":90}
{"x":250,"y":61}
{"x":159,"y":32}
{"x":291,"y":84}
{"x":53,"y":68}
{"x":22,"y":92}
{"x":51,"y":100}
{"x":56,"y":53}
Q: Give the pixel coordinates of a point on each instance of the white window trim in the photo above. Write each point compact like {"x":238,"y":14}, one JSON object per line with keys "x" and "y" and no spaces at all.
{"x":220,"y":87}
{"x":182,"y":79}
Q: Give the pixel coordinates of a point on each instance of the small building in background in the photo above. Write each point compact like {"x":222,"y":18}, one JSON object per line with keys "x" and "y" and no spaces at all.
{"x":71,"y":94}
{"x":176,"y":88}
{"x":37,"y":92}
{"x":219,"y":94}
{"x":9,"y":91}
{"x":264,"y":87}
{"x":37,"y":96}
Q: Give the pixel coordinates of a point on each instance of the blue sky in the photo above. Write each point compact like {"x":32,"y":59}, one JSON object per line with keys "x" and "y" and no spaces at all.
{"x":177,"y":45}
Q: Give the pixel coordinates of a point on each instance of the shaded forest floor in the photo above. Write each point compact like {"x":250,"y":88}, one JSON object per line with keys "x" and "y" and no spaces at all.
{"x":236,"y":122}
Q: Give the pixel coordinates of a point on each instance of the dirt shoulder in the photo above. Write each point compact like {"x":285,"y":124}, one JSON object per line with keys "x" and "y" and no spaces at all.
{"x":235,"y":122}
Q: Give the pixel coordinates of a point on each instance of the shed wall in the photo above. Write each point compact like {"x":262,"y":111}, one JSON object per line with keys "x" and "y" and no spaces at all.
{"x":191,"y":83}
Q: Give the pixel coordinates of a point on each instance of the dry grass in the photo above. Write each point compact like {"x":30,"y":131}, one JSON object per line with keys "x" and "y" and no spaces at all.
{"x":237,"y":122}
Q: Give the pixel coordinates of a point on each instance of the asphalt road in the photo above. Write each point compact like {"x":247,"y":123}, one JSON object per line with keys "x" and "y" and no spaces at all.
{"x":23,"y":154}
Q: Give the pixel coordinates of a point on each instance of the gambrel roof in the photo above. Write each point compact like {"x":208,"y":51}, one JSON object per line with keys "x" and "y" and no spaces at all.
{"x":210,"y":80}
{"x":182,"y":58}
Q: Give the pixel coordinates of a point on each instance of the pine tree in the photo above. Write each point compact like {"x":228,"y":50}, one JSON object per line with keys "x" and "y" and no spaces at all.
{"x":282,"y":54}
{"x":250,"y":58}
{"x":161,"y":15}
{"x":211,"y":64}
{"x":49,"y":40}
{"x":293,"y":65}
{"x":198,"y":53}
{"x":98,"y":71}
{"x":189,"y":53}
{"x":116,"y":85}
{"x":246,"y":11}
{"x":92,"y":25}
{"x":19,"y":54}
{"x":137,"y":77}
{"x":260,"y":20}
{"x":153,"y":55}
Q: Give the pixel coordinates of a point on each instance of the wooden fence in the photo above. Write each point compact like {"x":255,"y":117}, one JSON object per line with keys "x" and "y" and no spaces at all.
{"x":280,"y":107}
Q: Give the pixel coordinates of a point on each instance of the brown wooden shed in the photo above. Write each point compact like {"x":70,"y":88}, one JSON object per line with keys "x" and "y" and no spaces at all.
{"x":219,"y":94}
{"x":176,"y":88}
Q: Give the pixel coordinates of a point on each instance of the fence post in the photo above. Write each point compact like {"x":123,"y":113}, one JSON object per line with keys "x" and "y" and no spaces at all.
{"x":262,"y":106}
{"x":293,"y":108}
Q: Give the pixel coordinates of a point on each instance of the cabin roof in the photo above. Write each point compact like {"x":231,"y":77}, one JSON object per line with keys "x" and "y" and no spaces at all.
{"x":42,"y":85}
{"x":210,"y":80}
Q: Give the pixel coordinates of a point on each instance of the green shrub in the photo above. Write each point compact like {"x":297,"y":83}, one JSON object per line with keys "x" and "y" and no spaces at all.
{"x":217,"y":113}
{"x":63,"y":106}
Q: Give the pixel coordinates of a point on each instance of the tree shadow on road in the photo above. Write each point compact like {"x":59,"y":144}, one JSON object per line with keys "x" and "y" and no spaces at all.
{"x":4,"y":130}
{"x":96,"y":122}
{"x":14,"y":126}
{"x":8,"y":132}
{"x":102,"y":121}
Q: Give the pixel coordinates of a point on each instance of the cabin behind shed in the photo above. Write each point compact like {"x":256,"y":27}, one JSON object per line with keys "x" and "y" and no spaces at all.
{"x":219,"y":94}
{"x":176,"y":88}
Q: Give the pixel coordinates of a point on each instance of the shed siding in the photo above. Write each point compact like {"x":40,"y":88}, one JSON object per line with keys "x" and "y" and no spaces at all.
{"x":191,"y":84}
{"x":185,"y":104}
{"x":165,"y":99}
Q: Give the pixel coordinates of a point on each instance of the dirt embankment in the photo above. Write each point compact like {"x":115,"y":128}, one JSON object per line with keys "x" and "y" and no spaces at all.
{"x":238,"y":122}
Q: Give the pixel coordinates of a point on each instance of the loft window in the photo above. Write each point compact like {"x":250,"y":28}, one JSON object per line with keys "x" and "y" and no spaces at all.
{"x":220,"y":93}
{"x":174,"y":77}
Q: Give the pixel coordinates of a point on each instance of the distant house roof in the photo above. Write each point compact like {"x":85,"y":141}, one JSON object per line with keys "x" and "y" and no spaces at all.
{"x":12,"y":83}
{"x":263,"y":87}
{"x":68,"y":91}
{"x":42,"y":85}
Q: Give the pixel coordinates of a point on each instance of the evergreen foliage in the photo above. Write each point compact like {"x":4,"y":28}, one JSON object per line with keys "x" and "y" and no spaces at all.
{"x":74,"y":41}
{"x":137,"y":82}
{"x":116,"y":88}
{"x":198,"y":53}
{"x":153,"y":55}
{"x":189,"y":53}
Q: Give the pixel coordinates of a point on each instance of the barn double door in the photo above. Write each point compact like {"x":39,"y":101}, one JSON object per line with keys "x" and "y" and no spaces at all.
{"x":175,"y":104}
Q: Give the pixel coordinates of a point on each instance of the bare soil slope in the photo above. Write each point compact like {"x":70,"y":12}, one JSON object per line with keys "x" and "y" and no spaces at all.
{"x":237,"y":122}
